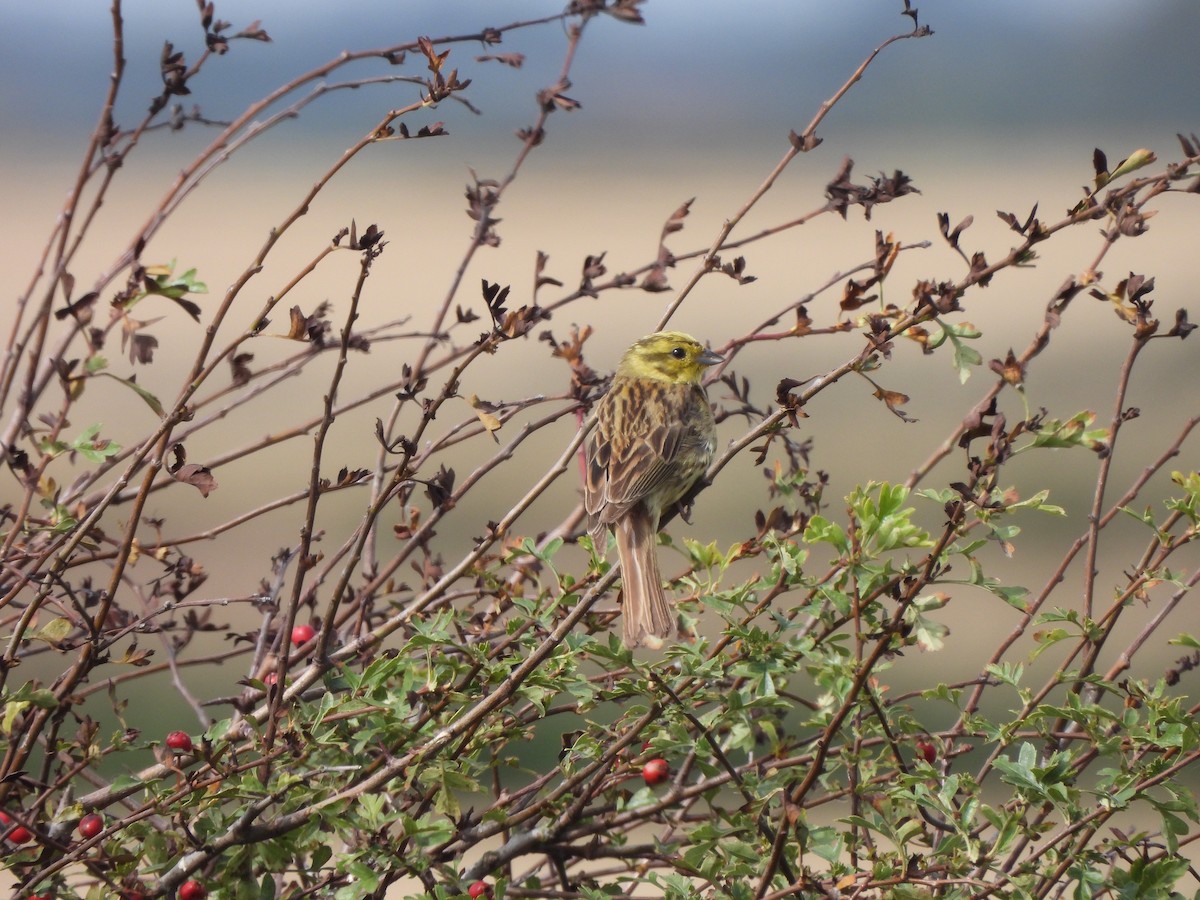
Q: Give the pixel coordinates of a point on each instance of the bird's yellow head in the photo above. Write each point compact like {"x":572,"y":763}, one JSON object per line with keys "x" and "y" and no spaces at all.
{"x":670,"y":356}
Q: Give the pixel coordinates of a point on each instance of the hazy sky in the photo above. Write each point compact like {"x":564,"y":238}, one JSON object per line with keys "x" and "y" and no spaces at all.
{"x":698,"y":65}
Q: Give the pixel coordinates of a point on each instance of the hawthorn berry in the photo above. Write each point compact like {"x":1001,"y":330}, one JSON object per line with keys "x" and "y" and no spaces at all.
{"x":302,"y":634}
{"x":479,"y":889}
{"x":91,"y":825}
{"x":656,"y":771}
{"x":926,"y":751}
{"x":19,"y":835}
{"x":180,"y":741}
{"x":192,"y":890}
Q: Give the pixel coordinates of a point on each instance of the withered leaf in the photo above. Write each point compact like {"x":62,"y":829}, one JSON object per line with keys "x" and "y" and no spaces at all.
{"x":194,"y":474}
{"x":531,"y":136}
{"x":200,"y":477}
{"x":854,"y":294}
{"x":1021,"y":228}
{"x":626,"y":11}
{"x":655,"y":280}
{"x":495,"y":296}
{"x":240,"y":363}
{"x":979,"y":266}
{"x":1009,"y":369}
{"x":593,"y":268}
{"x":1100,"y":165}
{"x":893,"y":399}
{"x":783,"y":391}
{"x":519,"y":321}
{"x":255,"y":32}
{"x":540,"y":279}
{"x":921,"y":336}
{"x":173,"y":71}
{"x":737,"y":269}
{"x":81,"y":309}
{"x":803,"y":320}
{"x":434,"y":60}
{"x":1182,"y":326}
{"x":141,"y":348}
{"x":551,"y":100}
{"x":886,"y":251}
{"x":842,"y":193}
{"x":486,"y":418}
{"x":312,"y":329}
{"x":298,"y":329}
{"x":347,"y":476}
{"x":675,"y":221}
{"x":515,"y":60}
{"x":135,"y":657}
{"x":952,"y":234}
{"x":440,"y":488}
{"x":805,"y":142}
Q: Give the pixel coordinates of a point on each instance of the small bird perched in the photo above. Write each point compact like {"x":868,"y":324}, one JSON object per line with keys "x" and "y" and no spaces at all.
{"x":654,"y":436}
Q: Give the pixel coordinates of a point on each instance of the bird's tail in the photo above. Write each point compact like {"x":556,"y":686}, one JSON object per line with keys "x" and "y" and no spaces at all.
{"x":647,"y":613}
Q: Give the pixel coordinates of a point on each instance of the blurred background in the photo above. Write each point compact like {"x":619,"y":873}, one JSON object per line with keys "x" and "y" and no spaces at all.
{"x":1000,"y":109}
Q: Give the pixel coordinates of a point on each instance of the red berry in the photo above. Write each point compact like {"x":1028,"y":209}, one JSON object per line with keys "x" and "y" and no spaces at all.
{"x":192,"y":890}
{"x":480,"y":889}
{"x":656,"y":771}
{"x":19,"y":835}
{"x":302,"y":634}
{"x":179,"y":741}
{"x":91,"y":825}
{"x":927,"y":752}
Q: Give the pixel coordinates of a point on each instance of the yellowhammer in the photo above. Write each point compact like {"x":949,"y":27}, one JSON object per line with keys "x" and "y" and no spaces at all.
{"x":654,"y":437}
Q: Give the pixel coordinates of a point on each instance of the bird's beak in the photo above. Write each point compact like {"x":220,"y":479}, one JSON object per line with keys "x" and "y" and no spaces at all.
{"x":708,"y":358}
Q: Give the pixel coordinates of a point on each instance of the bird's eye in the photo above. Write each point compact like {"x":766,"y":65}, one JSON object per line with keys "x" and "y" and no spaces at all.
{"x":679,"y":353}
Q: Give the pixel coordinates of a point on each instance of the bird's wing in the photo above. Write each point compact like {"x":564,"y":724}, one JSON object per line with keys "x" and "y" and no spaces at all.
{"x":633,"y":448}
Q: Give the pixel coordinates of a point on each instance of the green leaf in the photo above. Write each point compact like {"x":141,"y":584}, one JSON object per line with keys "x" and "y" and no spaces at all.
{"x":12,"y":709}
{"x":821,"y":530}
{"x":1013,"y":595}
{"x":92,"y":447}
{"x":321,"y":854}
{"x":1019,"y":773}
{"x":965,"y":357}
{"x":1009,"y":673}
{"x":1038,"y":502}
{"x":54,"y":630}
{"x":150,"y":399}
{"x":1073,"y":432}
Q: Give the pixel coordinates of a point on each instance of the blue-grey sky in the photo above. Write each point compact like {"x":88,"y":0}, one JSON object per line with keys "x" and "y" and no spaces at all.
{"x":704,"y":67}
